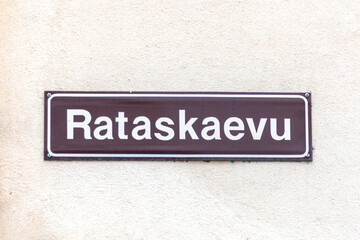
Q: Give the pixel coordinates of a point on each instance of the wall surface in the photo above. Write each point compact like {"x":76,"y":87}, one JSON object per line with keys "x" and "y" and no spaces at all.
{"x":205,"y":45}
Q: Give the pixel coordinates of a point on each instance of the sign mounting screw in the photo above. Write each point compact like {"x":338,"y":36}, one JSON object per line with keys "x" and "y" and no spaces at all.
{"x":49,"y":94}
{"x":49,"y":155}
{"x":307,"y":94}
{"x":308,"y":155}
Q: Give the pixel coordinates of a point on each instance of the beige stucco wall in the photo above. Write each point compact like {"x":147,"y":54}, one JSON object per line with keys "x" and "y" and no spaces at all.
{"x":206,"y":45}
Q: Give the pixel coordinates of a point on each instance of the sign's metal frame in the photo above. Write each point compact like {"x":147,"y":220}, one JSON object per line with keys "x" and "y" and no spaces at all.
{"x":49,"y":155}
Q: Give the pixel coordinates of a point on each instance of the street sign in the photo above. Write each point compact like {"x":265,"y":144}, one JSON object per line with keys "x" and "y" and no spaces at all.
{"x":177,"y":126}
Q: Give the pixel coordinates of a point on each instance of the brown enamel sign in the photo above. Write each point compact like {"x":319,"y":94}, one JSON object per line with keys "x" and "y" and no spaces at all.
{"x":177,"y":126}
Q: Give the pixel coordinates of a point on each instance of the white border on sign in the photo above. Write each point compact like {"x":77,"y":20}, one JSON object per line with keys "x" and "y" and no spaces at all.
{"x":199,"y":95}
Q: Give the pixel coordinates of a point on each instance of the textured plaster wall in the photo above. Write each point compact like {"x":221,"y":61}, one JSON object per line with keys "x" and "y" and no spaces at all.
{"x":205,"y":45}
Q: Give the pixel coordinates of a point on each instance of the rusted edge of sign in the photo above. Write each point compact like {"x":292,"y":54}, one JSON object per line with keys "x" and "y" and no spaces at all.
{"x":48,"y":155}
